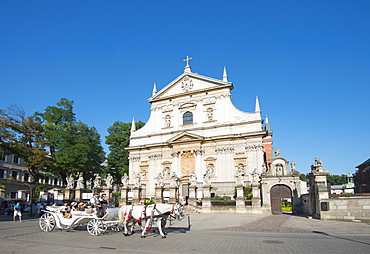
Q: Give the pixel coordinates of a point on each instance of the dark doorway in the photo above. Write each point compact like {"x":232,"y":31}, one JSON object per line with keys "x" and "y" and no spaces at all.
{"x":277,"y":194}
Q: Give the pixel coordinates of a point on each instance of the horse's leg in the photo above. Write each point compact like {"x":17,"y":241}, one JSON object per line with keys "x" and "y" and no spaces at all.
{"x":145,"y":228}
{"x":159,"y":225}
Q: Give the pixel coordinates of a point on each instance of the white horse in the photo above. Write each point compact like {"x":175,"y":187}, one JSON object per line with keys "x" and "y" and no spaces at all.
{"x":150,"y":214}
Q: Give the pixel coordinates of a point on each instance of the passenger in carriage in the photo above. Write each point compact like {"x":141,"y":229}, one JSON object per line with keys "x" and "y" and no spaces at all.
{"x":95,"y":202}
{"x":65,"y":209}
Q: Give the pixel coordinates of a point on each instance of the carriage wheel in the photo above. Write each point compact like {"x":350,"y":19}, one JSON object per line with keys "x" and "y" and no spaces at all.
{"x":47,"y":222}
{"x":96,"y":227}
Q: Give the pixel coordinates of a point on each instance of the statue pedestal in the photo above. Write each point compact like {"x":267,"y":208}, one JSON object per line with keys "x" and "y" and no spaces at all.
{"x":256,"y":200}
{"x":206,"y":201}
{"x":240,"y":203}
{"x":136,"y":195}
{"x":192,"y":195}
{"x":68,"y":194}
{"x":78,"y":195}
{"x":124,"y":196}
{"x":173,"y":196}
{"x":158,"y":198}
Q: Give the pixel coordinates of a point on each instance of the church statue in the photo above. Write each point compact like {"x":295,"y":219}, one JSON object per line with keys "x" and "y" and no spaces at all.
{"x":240,"y":169}
{"x":109,"y":181}
{"x":293,"y":166}
{"x":277,"y":153}
{"x":97,"y":181}
{"x":136,"y":179}
{"x":206,"y":179}
{"x":80,"y":181}
{"x":70,"y":181}
{"x":193,"y":179}
{"x":166,"y":173}
{"x":159,"y":179}
{"x":210,"y":170}
{"x":255,"y":176}
{"x":124,"y":180}
{"x":173,"y":179}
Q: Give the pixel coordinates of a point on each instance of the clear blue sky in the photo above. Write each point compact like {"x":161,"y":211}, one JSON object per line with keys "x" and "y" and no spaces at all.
{"x":308,"y":61}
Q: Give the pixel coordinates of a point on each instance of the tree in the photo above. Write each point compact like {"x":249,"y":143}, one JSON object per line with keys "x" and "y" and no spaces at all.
{"x":337,"y":179}
{"x":24,"y":137}
{"x":74,"y":146}
{"x":118,"y":140}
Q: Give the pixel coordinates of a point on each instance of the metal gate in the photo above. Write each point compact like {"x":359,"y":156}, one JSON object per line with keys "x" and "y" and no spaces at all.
{"x":277,"y":193}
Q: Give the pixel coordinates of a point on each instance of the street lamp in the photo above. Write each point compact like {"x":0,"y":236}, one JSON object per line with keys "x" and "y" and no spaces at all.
{"x":178,"y":181}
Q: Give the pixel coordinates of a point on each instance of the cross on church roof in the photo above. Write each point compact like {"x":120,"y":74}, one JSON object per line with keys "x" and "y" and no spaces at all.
{"x":187,"y":68}
{"x":187,"y":60}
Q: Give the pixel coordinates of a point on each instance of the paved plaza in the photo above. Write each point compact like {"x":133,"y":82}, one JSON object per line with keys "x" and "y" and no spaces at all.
{"x":209,"y":233}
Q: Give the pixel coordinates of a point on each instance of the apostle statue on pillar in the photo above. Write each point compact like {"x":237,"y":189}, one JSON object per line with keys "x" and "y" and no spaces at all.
{"x":70,"y":181}
{"x":159,"y":180}
{"x":80,"y":181}
{"x":97,"y":181}
{"x":109,"y":181}
{"x":124,"y":181}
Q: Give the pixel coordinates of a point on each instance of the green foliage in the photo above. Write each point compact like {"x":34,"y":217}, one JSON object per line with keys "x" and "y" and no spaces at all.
{"x":221,"y":198}
{"x":74,"y":146}
{"x":337,"y":179}
{"x":248,"y":192}
{"x":24,"y":137}
{"x":303,"y":177}
{"x":117,"y":140}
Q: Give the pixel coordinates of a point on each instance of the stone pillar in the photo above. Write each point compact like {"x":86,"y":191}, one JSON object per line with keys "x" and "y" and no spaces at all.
{"x":173,"y":194}
{"x":158,"y":198}
{"x":136,"y":195}
{"x":240,"y":203}
{"x":256,"y":199}
{"x":318,"y":191}
{"x":192,"y":195}
{"x":206,"y":201}
{"x":124,"y":196}
{"x":67,"y":194}
{"x":78,"y":195}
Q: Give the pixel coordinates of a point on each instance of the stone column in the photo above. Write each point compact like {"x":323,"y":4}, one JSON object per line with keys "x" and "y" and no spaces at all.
{"x":240,"y":203}
{"x":78,"y":194}
{"x":206,"y":201}
{"x":67,"y":194}
{"x":136,"y":195}
{"x":192,"y":195}
{"x":318,"y":191}
{"x":158,"y":198}
{"x":173,"y":194}
{"x":256,"y":199}
{"x":124,"y":196}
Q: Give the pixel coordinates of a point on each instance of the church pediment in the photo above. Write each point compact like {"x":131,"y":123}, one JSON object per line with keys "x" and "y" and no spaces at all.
{"x":185,"y":137}
{"x":188,"y":83}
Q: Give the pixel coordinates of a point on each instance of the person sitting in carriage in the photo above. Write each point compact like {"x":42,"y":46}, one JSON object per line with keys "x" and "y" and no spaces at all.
{"x":95,"y":202}
{"x":65,"y":209}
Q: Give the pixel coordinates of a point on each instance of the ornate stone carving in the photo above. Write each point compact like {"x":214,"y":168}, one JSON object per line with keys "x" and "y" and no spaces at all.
{"x":155,"y":156}
{"x":134,"y":158}
{"x":175,"y":154}
{"x":199,"y":152}
{"x":70,"y":181}
{"x":97,"y":181}
{"x":224,"y":150}
{"x":277,"y":153}
{"x":186,"y":84}
{"x":254,"y":147}
{"x":187,"y":154}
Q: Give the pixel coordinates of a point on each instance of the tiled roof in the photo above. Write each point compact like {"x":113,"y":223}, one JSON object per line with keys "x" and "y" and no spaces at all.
{"x":364,"y":163}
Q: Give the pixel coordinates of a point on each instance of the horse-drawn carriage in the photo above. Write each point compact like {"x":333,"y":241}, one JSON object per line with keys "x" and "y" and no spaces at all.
{"x":53,"y":217}
{"x":116,"y":218}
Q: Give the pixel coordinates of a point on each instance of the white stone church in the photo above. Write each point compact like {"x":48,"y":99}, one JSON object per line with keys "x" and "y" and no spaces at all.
{"x":195,"y":134}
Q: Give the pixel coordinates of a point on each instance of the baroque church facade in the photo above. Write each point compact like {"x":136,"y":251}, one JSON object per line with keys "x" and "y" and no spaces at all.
{"x":196,"y":141}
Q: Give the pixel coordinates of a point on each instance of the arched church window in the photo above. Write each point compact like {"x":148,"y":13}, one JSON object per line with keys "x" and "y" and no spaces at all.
{"x":187,"y":118}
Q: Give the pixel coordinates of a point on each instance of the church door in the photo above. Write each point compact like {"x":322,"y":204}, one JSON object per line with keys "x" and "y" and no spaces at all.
{"x":277,"y":193}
